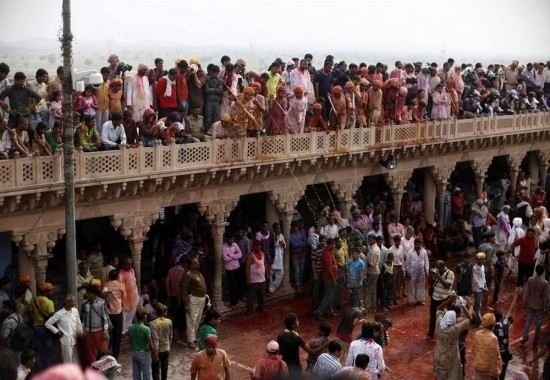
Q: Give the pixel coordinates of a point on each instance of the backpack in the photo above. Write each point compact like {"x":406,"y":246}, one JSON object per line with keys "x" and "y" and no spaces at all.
{"x":22,"y":337}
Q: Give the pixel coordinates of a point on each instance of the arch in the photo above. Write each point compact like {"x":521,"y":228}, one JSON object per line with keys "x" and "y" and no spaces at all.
{"x":257,"y":187}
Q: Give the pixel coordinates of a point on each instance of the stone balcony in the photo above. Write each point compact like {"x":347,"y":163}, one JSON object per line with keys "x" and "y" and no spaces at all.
{"x":27,"y":184}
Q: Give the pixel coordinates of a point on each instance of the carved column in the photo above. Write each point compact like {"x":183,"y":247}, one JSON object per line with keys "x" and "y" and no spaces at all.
{"x":345,"y":194}
{"x":544,"y":157}
{"x":397,"y":182}
{"x":134,"y":228}
{"x":441,"y":176}
{"x":429,"y":196}
{"x":480,"y":169}
{"x":35,"y":251}
{"x":217,"y":214}
{"x":514,"y":162}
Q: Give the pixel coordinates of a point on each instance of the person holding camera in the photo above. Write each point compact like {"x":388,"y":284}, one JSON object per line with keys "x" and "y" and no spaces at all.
{"x":442,"y":280}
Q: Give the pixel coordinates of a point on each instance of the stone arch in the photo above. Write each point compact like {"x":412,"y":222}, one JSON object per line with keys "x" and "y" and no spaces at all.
{"x":257,"y":187}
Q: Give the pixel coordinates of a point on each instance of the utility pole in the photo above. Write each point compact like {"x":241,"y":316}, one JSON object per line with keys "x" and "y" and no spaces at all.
{"x":68,"y":146}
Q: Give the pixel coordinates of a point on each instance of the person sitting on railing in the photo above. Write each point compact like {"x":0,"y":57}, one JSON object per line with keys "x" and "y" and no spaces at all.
{"x":113,"y":135}
{"x":130,"y":128}
{"x":20,"y":139}
{"x":5,"y":139}
{"x":196,"y":124}
{"x":150,"y":130}
{"x":316,"y":122}
{"x":221,"y":128}
{"x":175,"y":130}
{"x":472,"y":108}
{"x":296,"y":117}
{"x":54,"y":137}
{"x":39,"y":145}
{"x":88,"y":138}
{"x":509,"y":103}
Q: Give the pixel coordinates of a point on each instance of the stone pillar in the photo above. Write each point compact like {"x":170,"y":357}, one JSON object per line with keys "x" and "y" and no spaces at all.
{"x":271,"y":212}
{"x":544,"y":157}
{"x":345,"y":194}
{"x":533,"y":167}
{"x":217,"y":213}
{"x":441,"y":175}
{"x":34,"y":252}
{"x":514,"y":162}
{"x":136,"y":246}
{"x":134,"y":228}
{"x":429,"y":196}
{"x":218,"y":229}
{"x":480,"y":169}
{"x":397,"y":182}
{"x":286,"y":218}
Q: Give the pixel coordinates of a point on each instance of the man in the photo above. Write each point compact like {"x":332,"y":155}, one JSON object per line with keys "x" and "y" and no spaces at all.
{"x":55,"y":84}
{"x":398,"y":268}
{"x":526,"y":257}
{"x":211,"y":363}
{"x":19,"y":95}
{"x":113,"y":135}
{"x":213,"y":92}
{"x":271,"y":367}
{"x":328,"y":364}
{"x":442,"y":282}
{"x":300,"y":77}
{"x":488,"y":248}
{"x":95,"y":322}
{"x":130,"y":299}
{"x":265,"y":237}
{"x":479,"y":286}
{"x":193,"y":293}
{"x":138,"y":93}
{"x":535,"y":298}
{"x":290,"y":342}
{"x":255,"y":265}
{"x":231,"y":256}
{"x":274,"y":80}
{"x":172,"y":283}
{"x":7,"y":331}
{"x":323,"y":84}
{"x":357,"y":371}
{"x":464,"y":275}
{"x":167,"y":94}
{"x":102,"y":95}
{"x":111,"y":264}
{"x":161,"y":333}
{"x":113,"y":61}
{"x":502,"y":331}
{"x":329,"y":274}
{"x":372,"y":271}
{"x":5,"y":290}
{"x":417,"y":267}
{"x":40,"y":309}
{"x":367,"y":345}
{"x":487,"y":360}
{"x":116,"y":292}
{"x":142,"y":345}
{"x":66,"y":324}
{"x":479,"y":220}
{"x":40,"y":110}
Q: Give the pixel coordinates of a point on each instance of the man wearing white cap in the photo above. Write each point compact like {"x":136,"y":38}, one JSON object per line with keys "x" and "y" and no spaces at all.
{"x":138,"y":96}
{"x":271,"y":367}
{"x":113,"y":63}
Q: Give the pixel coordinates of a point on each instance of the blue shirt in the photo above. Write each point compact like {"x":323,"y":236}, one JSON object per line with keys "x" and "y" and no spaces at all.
{"x":354,"y":268}
{"x":298,"y":242}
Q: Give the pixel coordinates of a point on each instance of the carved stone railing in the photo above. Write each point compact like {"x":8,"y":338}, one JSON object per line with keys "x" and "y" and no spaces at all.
{"x":26,"y":175}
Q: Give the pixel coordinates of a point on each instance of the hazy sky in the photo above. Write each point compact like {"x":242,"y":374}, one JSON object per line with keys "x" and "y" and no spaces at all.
{"x":518,"y":28}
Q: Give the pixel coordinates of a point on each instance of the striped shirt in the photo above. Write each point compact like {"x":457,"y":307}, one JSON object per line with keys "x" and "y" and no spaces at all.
{"x":440,"y":291}
{"x":94,"y":316}
{"x":326,"y":366}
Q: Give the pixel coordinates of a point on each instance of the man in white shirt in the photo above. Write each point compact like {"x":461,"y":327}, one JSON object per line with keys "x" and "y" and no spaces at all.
{"x":417,"y":266}
{"x":367,"y":345}
{"x":113,"y":135}
{"x":68,"y":327}
{"x":39,"y":85}
{"x":479,"y":286}
{"x":328,"y":363}
{"x":398,"y":267}
{"x":138,"y":93}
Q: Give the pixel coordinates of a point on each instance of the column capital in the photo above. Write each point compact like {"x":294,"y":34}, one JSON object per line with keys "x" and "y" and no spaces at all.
{"x":285,"y":202}
{"x":218,"y":211}
{"x":397,"y":180}
{"x":544,"y":157}
{"x":480,"y":166}
{"x":442,"y":173}
{"x":134,"y":226}
{"x":514,"y":160}
{"x":39,"y":242}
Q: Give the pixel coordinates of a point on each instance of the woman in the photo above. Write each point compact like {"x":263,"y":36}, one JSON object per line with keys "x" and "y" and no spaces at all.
{"x":503,"y":228}
{"x":149,"y":129}
{"x":211,"y":321}
{"x":447,"y":356}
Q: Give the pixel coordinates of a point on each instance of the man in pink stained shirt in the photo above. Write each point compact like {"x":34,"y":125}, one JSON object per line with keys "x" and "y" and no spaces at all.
{"x":396,"y":73}
{"x":231,"y":253}
{"x":395,"y":228}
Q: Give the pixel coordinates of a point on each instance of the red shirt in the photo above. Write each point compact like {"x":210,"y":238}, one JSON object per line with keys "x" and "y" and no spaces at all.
{"x":329,"y":266}
{"x":527,"y":250}
{"x":181,"y":83}
{"x":164,"y":102}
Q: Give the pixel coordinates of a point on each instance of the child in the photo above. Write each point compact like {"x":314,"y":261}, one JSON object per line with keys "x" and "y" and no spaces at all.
{"x":385,"y":324}
{"x":116,"y":101}
{"x":56,"y":108}
{"x":387,"y":282}
{"x":351,"y":318}
{"x":317,"y":122}
{"x":87,"y":102}
{"x":500,"y":266}
{"x":502,"y":330}
{"x":324,"y":330}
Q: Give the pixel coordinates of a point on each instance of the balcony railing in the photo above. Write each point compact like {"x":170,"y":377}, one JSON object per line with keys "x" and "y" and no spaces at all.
{"x":41,"y":172}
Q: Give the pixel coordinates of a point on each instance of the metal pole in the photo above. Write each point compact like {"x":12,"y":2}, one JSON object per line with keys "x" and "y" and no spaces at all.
{"x":68,"y":146}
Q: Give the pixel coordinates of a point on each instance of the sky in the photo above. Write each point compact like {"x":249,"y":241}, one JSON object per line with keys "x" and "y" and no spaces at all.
{"x":514,"y":29}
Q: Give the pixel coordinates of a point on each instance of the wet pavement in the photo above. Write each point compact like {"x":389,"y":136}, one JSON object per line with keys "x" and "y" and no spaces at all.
{"x":244,"y":338}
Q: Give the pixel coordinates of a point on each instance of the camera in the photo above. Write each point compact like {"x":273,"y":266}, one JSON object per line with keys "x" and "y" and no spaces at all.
{"x":434,"y":271}
{"x":122,"y":68}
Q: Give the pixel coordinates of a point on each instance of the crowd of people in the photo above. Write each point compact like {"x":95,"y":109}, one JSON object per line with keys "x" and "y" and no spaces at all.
{"x":370,"y":263}
{"x":191,"y":103}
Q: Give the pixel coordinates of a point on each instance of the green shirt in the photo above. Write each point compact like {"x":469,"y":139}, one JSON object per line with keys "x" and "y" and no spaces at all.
{"x":139,"y":333}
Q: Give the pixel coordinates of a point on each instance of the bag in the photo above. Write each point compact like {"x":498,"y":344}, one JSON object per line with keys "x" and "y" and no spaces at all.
{"x":52,"y":335}
{"x":22,"y":337}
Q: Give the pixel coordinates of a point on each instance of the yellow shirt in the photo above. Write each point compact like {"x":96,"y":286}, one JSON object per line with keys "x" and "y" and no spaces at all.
{"x":486,"y":353}
{"x":340,"y":256}
{"x":102,"y":95}
{"x":41,"y":308}
{"x":272,"y":83}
